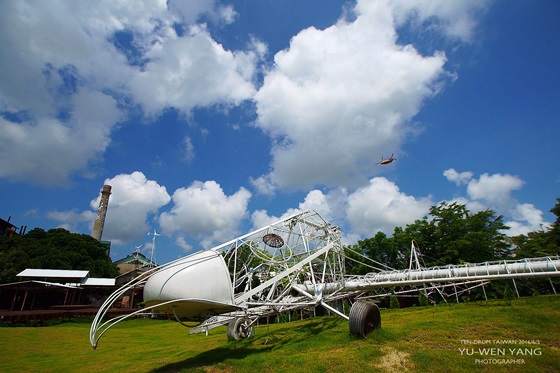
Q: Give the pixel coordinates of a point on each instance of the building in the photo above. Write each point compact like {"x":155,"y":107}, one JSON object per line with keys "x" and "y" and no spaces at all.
{"x":7,"y":229}
{"x":42,"y":294}
{"x":132,"y":262}
{"x":42,"y":289}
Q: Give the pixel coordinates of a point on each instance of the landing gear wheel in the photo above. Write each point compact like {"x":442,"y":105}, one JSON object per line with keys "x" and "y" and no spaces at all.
{"x":238,"y":328}
{"x":364,"y":318}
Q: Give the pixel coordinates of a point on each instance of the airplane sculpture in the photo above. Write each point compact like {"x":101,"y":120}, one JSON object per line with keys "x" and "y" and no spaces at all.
{"x":296,"y":263}
{"x":387,"y":161}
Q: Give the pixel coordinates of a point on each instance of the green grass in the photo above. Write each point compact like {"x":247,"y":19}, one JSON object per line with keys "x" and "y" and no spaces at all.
{"x":426,"y":339}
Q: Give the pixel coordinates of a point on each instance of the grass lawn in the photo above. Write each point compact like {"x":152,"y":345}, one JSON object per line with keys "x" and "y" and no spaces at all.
{"x":478,"y":336}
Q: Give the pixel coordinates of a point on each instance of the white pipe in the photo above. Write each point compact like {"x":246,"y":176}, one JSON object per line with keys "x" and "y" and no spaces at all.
{"x":540,"y":267}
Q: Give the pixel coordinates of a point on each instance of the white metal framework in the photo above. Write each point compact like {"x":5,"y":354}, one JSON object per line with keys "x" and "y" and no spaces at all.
{"x":295,"y":263}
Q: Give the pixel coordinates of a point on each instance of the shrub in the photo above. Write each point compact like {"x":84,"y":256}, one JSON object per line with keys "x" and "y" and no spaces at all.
{"x":394,"y":302}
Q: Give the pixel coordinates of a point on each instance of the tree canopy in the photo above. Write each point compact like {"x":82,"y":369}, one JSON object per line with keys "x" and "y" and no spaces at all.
{"x":53,"y":249}
{"x":540,"y":243}
{"x":451,"y":234}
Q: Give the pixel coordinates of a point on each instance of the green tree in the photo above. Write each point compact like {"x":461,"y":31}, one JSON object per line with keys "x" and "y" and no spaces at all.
{"x":540,"y":243}
{"x":451,"y":234}
{"x":354,"y":263}
{"x":423,"y":300}
{"x":394,"y":302}
{"x":383,"y":250}
{"x":454,"y":235}
{"x":555,"y":229}
{"x":54,"y":249}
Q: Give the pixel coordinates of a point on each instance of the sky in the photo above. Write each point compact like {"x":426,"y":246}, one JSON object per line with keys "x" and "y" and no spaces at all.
{"x":213,"y":118}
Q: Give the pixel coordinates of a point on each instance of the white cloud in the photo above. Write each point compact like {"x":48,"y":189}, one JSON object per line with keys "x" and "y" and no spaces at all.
{"x":71,"y":219}
{"x":63,"y":67}
{"x":48,"y":150}
{"x":456,"y":19}
{"x":263,"y":185}
{"x":193,"y":71}
{"x":188,"y":149}
{"x":487,"y":191}
{"x":340,"y":97}
{"x":191,"y":10}
{"x":183,"y":244}
{"x":494,"y":190}
{"x":260,"y":218}
{"x":206,"y":212}
{"x":462,"y":178}
{"x":330,"y":206}
{"x":381,"y":206}
{"x":133,"y":198}
{"x":527,"y":218}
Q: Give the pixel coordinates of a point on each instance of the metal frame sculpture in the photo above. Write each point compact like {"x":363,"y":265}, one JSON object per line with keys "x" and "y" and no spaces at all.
{"x":295,"y":263}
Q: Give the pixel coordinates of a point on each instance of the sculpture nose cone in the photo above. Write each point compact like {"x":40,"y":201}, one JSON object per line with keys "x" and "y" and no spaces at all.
{"x":195,"y":286}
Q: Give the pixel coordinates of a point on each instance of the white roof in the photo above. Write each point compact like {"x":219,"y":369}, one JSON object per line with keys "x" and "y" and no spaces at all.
{"x":99,"y":282}
{"x":52,"y":273}
{"x":38,"y":282}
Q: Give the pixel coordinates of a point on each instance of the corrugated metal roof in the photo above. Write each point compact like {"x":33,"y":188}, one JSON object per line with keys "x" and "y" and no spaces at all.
{"x":99,"y":282}
{"x":52,"y":273}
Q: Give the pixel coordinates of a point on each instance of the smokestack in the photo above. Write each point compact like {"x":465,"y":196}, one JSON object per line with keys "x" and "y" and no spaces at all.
{"x":101,"y":212}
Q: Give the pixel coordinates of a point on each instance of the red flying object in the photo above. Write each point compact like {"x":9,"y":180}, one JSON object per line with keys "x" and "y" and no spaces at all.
{"x":387,"y":161}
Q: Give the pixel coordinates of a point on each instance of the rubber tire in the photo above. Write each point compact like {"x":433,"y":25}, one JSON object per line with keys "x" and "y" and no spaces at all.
{"x":239,"y":328}
{"x":364,"y":318}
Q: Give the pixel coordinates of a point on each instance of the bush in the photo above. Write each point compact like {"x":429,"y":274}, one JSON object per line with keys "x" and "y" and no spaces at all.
{"x":394,"y":302}
{"x":508,"y":295}
{"x":423,"y":300}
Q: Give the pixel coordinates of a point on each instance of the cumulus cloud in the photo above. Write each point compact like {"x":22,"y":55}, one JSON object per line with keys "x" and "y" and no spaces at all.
{"x":495,"y":192}
{"x":133,"y":198}
{"x":70,"y":220}
{"x":486,"y":191}
{"x":206,"y":212}
{"x":458,"y":178}
{"x":381,"y":206}
{"x":190,"y":11}
{"x":340,"y":97}
{"x":183,"y":244}
{"x":456,"y":19}
{"x":68,"y":76}
{"x":263,"y":185}
{"x":193,"y":71}
{"x":330,"y":206}
{"x":46,"y":150}
{"x":526,"y":218}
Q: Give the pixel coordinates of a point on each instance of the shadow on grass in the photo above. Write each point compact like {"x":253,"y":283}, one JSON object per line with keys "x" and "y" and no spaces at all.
{"x":211,"y":357}
{"x":265,"y":341}
{"x":291,"y":333}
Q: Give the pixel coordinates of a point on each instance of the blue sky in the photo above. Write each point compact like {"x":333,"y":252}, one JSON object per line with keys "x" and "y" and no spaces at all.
{"x":212,"y":118}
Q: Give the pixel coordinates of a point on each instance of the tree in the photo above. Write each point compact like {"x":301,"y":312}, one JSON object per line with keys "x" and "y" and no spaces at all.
{"x":555,"y":229}
{"x":394,"y":302}
{"x":383,"y":250}
{"x":54,"y":249}
{"x":354,"y":263}
{"x":454,"y":235}
{"x":451,"y":234}
{"x":540,"y":243}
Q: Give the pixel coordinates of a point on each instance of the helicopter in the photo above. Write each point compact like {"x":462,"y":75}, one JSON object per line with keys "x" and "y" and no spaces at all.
{"x":387,"y":161}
